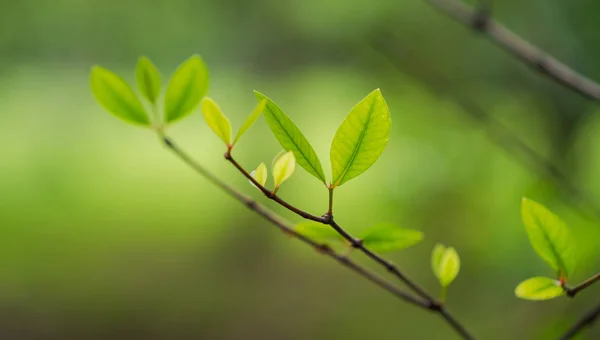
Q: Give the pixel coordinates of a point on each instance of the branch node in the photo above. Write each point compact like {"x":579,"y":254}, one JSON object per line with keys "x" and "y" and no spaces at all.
{"x":481,"y":19}
{"x":357,"y":243}
{"x":327,"y":217}
{"x":435,"y":306}
{"x":227,"y":155}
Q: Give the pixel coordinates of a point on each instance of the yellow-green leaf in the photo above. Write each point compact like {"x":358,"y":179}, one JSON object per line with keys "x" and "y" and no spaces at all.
{"x":539,"y":288}
{"x":187,"y":87}
{"x":386,"y":237}
{"x":217,"y":121}
{"x":283,"y":168}
{"x":148,"y":79}
{"x":318,"y":232}
{"x":550,"y":237}
{"x":360,"y":139}
{"x":260,"y":174}
{"x":445,"y":264}
{"x":290,"y":138}
{"x":251,"y":119}
{"x":117,"y":97}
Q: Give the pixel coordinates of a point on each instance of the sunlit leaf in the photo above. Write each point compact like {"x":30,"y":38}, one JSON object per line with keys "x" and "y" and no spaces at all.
{"x":148,"y":79}
{"x":445,"y":264}
{"x":539,"y":288}
{"x":116,"y":96}
{"x":318,"y":232}
{"x":550,"y":237}
{"x":251,"y":119}
{"x":217,"y":121}
{"x":386,"y":237}
{"x":290,"y":138}
{"x":187,"y":87}
{"x":360,"y":139}
{"x":283,"y":168}
{"x":260,"y":174}
{"x":436,"y":258}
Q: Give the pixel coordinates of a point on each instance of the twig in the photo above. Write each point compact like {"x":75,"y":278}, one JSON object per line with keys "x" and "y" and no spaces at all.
{"x":283,"y":226}
{"x":571,"y":292}
{"x":519,"y":48}
{"x":358,"y":244}
{"x":586,"y":321}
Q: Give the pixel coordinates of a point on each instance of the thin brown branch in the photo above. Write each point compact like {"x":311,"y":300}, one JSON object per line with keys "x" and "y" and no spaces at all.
{"x":571,"y":292}
{"x":587,"y":320}
{"x":286,"y":228}
{"x":358,"y":244}
{"x":519,"y":47}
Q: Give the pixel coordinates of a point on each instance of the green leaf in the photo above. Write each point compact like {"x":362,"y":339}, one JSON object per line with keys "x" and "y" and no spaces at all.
{"x":217,"y":121}
{"x":436,"y":258}
{"x":386,"y":237}
{"x":290,"y":138}
{"x":283,"y":168}
{"x":148,"y":79}
{"x":116,"y":96}
{"x":318,"y":232}
{"x":188,"y":85}
{"x":251,"y":119}
{"x":360,"y":139}
{"x":445,"y":264}
{"x":260,"y":174}
{"x":550,"y":237}
{"x":539,"y":288}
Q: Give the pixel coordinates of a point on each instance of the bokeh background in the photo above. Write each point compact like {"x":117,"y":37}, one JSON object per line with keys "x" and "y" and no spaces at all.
{"x":106,"y":235}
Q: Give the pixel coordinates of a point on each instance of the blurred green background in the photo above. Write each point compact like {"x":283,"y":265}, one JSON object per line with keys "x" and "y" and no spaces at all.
{"x":106,"y":235}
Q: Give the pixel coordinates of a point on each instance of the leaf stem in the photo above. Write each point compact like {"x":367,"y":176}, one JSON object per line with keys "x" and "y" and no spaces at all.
{"x":330,"y":210}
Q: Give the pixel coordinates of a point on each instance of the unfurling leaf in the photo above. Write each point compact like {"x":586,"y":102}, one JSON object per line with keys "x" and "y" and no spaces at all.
{"x":360,"y":139}
{"x":217,"y":121}
{"x":387,"y":237}
{"x":260,"y":175}
{"x":251,"y":119}
{"x":148,"y":79}
{"x":445,"y":264}
{"x":539,"y":288}
{"x":550,"y":237}
{"x":318,"y":232}
{"x":290,"y":137}
{"x":117,"y":97}
{"x":187,"y":87}
{"x":283,"y":168}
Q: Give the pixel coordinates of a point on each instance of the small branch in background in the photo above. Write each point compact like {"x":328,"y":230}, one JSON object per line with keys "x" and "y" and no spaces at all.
{"x":519,"y":47}
{"x":571,"y":292}
{"x":586,"y":321}
{"x":358,"y":244}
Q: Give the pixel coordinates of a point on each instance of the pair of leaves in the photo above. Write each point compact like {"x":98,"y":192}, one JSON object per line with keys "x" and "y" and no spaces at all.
{"x":187,"y":87}
{"x":220,"y":124}
{"x":445,"y":264}
{"x":282,"y":168}
{"x":358,"y":142}
{"x":552,"y":241}
{"x":381,"y":238}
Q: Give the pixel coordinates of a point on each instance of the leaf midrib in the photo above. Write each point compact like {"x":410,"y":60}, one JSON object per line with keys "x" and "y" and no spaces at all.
{"x":554,"y":251}
{"x":355,"y":152}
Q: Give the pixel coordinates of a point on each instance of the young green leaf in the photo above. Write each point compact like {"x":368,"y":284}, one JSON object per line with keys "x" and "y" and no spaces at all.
{"x":360,"y":139}
{"x":283,"y":168}
{"x":445,"y":264}
{"x":550,"y":237}
{"x":386,"y":237}
{"x":436,"y":258}
{"x":290,"y":138}
{"x":539,"y":288}
{"x":188,"y":85}
{"x":148,"y":79}
{"x":318,"y":232}
{"x":251,"y":119}
{"x":260,"y":174}
{"x":217,"y":121}
{"x":117,"y":97}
